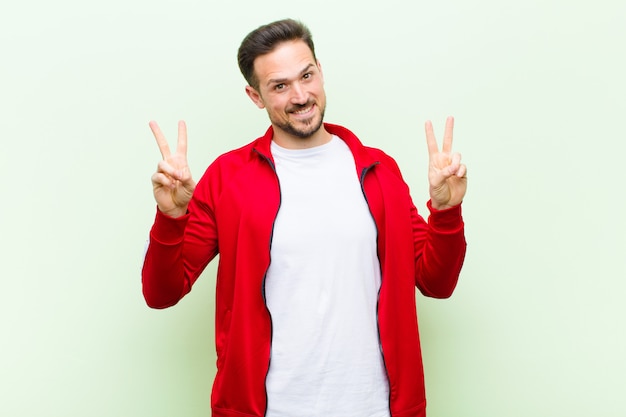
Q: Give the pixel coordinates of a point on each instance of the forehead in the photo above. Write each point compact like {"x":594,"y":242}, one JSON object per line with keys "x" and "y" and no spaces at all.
{"x":285,"y":61}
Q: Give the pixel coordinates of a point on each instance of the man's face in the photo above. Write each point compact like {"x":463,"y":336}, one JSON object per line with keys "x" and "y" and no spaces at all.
{"x":291,"y":89}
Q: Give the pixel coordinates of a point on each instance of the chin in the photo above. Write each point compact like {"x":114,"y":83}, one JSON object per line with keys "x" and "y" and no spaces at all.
{"x":307,"y":129}
{"x":302,"y":130}
{"x":306,"y":133}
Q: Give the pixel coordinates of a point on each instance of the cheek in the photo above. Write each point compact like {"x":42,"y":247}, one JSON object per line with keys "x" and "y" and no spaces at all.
{"x":319,"y":91}
{"x":278,"y":105}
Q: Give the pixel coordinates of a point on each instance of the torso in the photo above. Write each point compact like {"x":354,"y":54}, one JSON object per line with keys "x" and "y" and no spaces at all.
{"x":322,"y":290}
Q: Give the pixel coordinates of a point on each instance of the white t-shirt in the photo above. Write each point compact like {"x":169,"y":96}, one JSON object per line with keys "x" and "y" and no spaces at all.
{"x":322,"y":290}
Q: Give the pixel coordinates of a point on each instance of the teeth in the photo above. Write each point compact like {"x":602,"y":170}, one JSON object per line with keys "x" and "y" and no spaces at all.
{"x":303,"y":111}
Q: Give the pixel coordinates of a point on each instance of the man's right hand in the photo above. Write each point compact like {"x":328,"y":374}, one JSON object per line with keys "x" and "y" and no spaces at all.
{"x":172,"y":183}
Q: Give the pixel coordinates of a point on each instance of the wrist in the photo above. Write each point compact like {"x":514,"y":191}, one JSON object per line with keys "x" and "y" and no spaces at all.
{"x":438,"y":206}
{"x":434,"y":205}
{"x":175,"y":212}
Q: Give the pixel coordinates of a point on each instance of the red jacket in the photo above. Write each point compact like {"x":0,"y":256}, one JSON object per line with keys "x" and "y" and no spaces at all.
{"x":232,"y":213}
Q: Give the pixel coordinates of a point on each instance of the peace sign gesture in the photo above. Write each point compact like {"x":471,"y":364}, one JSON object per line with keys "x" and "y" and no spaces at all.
{"x":446,"y":175}
{"x":172,"y":183}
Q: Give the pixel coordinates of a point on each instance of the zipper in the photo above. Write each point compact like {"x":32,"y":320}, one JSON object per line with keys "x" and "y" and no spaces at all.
{"x":380,"y":345}
{"x":269,"y":361}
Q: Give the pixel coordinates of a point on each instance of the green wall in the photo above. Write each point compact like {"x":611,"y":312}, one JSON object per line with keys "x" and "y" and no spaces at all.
{"x":536,"y":326}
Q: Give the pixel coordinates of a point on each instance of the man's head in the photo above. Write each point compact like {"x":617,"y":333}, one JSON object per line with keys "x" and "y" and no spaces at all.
{"x":264,"y":40}
{"x":285,"y":78}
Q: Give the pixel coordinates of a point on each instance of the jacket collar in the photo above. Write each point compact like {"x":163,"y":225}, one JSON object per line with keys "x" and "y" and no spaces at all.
{"x":362,"y":157}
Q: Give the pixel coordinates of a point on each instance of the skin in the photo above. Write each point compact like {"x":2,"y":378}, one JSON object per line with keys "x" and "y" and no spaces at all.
{"x":447,"y":176}
{"x":172,"y":184}
{"x":291,"y":90}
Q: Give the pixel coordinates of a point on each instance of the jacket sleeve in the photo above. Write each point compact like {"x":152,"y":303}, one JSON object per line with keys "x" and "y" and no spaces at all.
{"x":439,"y":250}
{"x":439,"y":244}
{"x":178,"y":251}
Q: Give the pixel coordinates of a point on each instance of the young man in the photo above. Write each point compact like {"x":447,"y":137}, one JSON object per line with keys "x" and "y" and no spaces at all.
{"x":320,"y":245}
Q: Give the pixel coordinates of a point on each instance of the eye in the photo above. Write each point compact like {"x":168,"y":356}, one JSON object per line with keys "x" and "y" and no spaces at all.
{"x":307,"y":76}
{"x":279,"y":87}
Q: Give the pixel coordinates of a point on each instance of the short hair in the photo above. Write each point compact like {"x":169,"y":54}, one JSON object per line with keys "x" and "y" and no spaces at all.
{"x":264,"y":40}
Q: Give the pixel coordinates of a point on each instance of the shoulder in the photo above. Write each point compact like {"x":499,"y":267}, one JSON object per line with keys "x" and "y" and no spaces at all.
{"x":369,"y":153}
{"x":364,"y":155}
{"x":381,"y":155}
{"x":230,"y":168}
{"x":253,"y":152}
{"x":235,"y":156}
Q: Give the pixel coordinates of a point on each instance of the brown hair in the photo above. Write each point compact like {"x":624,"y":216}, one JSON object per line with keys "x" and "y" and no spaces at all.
{"x":264,"y":39}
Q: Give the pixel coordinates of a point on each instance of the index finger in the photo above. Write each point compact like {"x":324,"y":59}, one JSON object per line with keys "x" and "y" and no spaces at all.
{"x":181,"y":147}
{"x":161,"y":141}
{"x":447,"y":136}
{"x":430,"y":138}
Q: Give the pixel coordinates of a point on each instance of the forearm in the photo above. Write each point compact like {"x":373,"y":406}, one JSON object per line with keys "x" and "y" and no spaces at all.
{"x":163,"y":273}
{"x":441,"y":257}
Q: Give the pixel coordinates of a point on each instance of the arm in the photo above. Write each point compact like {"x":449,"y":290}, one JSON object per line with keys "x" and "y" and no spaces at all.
{"x":162,"y":276}
{"x":176,"y":254}
{"x":440,"y":249}
{"x":178,"y":251}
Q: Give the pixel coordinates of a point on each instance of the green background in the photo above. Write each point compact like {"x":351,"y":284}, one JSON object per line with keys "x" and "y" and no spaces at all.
{"x":536,"y":326}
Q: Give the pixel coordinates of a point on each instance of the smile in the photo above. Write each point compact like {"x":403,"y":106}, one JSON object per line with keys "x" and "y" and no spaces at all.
{"x":303,"y":111}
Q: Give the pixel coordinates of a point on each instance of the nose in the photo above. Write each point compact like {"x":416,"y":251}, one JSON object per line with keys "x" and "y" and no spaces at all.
{"x":298,"y":94}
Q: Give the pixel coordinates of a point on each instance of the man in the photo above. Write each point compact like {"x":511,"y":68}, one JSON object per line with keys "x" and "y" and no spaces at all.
{"x":320,"y":247}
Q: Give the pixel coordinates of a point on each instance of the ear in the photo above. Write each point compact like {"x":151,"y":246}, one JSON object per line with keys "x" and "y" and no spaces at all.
{"x":255,"y":96}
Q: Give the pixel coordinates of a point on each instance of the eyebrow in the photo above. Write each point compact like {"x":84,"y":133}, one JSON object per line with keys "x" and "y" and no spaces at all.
{"x":282,"y":80}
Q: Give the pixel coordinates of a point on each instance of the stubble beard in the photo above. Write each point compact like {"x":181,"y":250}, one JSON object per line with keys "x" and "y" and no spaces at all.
{"x":312,"y":127}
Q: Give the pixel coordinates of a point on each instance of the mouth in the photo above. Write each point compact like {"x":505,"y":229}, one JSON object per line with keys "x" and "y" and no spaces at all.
{"x":304,"y":112}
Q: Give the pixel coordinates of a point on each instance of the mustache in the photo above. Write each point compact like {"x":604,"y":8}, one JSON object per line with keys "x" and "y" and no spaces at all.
{"x":297,"y":107}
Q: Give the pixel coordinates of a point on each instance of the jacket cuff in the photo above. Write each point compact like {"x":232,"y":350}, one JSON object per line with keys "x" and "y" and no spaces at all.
{"x":168,"y":230}
{"x":447,"y":220}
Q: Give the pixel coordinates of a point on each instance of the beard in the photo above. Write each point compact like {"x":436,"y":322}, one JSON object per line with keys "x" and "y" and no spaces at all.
{"x":310,"y":126}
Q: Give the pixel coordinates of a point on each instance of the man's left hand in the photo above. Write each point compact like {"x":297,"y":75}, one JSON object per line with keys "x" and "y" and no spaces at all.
{"x":447,"y":176}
